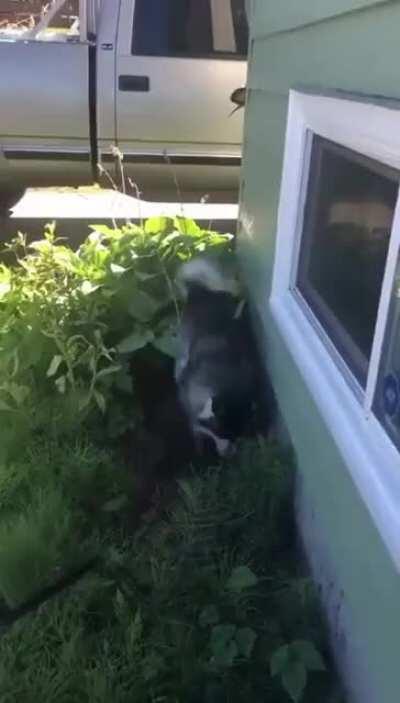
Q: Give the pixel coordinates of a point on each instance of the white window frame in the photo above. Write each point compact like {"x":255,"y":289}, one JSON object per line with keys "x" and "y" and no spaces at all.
{"x":372,"y":129}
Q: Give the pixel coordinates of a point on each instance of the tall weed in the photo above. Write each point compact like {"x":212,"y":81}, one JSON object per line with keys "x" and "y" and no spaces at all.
{"x":70,"y":321}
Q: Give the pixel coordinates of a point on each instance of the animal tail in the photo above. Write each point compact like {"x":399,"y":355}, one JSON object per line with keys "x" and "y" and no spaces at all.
{"x":208,"y":274}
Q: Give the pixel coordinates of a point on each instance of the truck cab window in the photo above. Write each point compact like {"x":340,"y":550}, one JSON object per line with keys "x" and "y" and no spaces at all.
{"x":190,"y":28}
{"x":57,"y":21}
{"x":240,"y":25}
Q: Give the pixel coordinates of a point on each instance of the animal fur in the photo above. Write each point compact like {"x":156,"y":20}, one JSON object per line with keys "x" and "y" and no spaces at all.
{"x":217,"y":367}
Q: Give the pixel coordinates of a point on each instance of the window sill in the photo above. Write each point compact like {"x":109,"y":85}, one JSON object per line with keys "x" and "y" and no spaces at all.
{"x":369,"y":455}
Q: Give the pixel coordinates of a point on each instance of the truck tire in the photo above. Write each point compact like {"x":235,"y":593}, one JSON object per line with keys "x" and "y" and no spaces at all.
{"x":9,"y":198}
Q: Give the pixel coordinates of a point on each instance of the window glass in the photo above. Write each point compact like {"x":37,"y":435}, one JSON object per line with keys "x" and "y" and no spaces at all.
{"x":240,"y":25}
{"x":192,"y":28}
{"x":67,"y":17}
{"x":347,"y":223}
{"x":387,"y":394}
{"x":20,"y":17}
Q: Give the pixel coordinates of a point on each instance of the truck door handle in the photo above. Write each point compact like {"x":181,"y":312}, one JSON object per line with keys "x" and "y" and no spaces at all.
{"x":138,"y":84}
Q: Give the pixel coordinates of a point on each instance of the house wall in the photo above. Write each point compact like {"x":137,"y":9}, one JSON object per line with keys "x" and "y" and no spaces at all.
{"x":351,"y":45}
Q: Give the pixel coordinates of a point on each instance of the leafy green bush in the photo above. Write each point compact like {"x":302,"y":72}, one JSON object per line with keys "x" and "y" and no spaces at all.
{"x":69,"y":321}
{"x":69,"y":325}
{"x":206,"y":605}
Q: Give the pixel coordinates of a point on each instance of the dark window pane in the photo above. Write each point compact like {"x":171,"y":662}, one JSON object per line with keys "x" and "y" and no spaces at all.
{"x":191,"y":28}
{"x":347,"y":224}
{"x":241,"y":26}
{"x":22,"y":11}
{"x":387,"y":394}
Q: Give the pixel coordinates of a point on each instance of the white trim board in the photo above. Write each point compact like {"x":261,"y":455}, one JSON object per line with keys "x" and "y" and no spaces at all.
{"x":370,"y":456}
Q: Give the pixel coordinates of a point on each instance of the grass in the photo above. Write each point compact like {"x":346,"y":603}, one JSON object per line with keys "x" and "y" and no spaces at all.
{"x":56,"y":501}
{"x":192,"y":607}
{"x":33,"y":545}
{"x":206,"y":603}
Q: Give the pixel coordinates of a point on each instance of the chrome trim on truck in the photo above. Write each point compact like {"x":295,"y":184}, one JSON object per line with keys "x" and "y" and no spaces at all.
{"x":48,"y":155}
{"x":187,"y":160}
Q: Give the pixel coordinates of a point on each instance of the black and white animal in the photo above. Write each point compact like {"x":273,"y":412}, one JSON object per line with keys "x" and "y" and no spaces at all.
{"x":216,"y":369}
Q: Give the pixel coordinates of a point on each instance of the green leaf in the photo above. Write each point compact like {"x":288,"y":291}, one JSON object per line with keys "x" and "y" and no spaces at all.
{"x":241,"y":578}
{"x":226,"y":654}
{"x":50,"y":230}
{"x":187,"y":226}
{"x":166,"y":241}
{"x":144,"y":306}
{"x":208,"y":616}
{"x":100,"y":400}
{"x":167,"y":343}
{"x":115,"y":504}
{"x":188,"y":494}
{"x":222,"y":634}
{"x":223,"y":645}
{"x":143,"y":276}
{"x":4,"y":407}
{"x":40,"y":245}
{"x":246,"y":639}
{"x":123,"y":381}
{"x":294,"y":680}
{"x":120,"y":600}
{"x":135,"y":341}
{"x":152,"y":666}
{"x":109,"y":370}
{"x":54,"y":366}
{"x":18,"y":392}
{"x":5,"y":288}
{"x":239,"y":309}
{"x":117,"y":269}
{"x":87,"y":287}
{"x":103,"y":229}
{"x":94,"y":238}
{"x":61,"y":384}
{"x":137,"y":626}
{"x":279,"y":660}
{"x":157,"y":225}
{"x":306,"y":652}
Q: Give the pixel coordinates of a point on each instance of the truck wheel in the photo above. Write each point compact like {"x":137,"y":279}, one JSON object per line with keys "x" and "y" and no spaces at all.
{"x":9,"y":198}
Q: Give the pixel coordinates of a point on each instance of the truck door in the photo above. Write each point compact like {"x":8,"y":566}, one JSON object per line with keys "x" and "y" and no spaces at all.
{"x":177,"y":64}
{"x":44,"y":94}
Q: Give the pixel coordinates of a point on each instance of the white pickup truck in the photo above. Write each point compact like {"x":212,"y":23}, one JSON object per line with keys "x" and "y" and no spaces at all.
{"x":152,"y":77}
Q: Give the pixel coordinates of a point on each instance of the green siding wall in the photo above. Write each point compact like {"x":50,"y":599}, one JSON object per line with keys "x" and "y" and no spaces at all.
{"x":284,"y":16}
{"x":358,"y":51}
